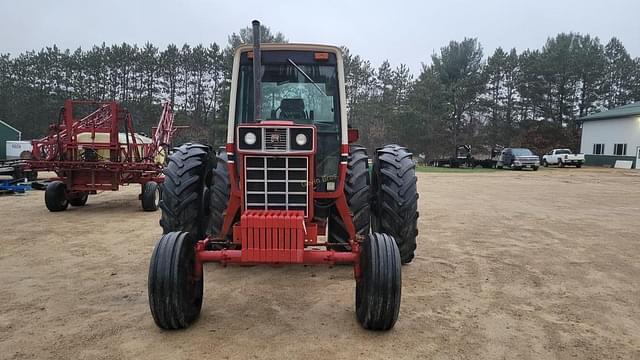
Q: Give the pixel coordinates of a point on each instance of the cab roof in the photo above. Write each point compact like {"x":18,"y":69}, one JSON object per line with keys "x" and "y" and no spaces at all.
{"x":291,"y":46}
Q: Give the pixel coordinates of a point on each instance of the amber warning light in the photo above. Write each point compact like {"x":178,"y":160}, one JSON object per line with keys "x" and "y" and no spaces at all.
{"x":321,"y":56}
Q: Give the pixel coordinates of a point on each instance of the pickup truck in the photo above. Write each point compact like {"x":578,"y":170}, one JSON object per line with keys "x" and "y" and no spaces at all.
{"x":562,"y":157}
{"x":518,"y":158}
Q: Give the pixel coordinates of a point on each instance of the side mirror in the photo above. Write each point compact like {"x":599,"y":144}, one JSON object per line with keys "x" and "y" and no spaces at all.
{"x":353,"y":135}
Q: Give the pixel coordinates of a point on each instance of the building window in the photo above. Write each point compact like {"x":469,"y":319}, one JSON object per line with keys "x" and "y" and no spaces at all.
{"x":598,"y":149}
{"x":619,"y":149}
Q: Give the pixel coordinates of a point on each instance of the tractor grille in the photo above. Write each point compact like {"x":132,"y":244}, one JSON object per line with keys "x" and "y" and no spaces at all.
{"x":275,"y":139}
{"x":276,"y":183}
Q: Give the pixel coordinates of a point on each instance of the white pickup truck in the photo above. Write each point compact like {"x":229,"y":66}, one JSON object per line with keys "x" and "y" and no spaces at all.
{"x":562,"y":157}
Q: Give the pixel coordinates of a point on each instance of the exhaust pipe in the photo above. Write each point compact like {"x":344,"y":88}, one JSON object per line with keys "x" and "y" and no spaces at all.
{"x":257,"y":76}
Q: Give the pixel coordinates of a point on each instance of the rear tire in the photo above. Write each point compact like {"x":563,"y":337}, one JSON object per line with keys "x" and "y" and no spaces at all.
{"x":395,"y":208}
{"x":357,"y":192}
{"x":219,"y":193}
{"x":55,"y":196}
{"x":578,"y":166}
{"x":378,"y":291}
{"x":175,"y":295}
{"x":560,"y":163}
{"x":535,"y":168}
{"x":150,"y":196}
{"x":79,"y":199}
{"x":183,"y":190}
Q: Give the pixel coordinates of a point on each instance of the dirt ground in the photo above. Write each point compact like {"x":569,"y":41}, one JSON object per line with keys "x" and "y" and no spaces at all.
{"x":527,"y":265}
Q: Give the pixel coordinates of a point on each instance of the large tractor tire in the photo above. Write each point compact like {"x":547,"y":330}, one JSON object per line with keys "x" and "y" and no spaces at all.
{"x":150,"y":197}
{"x":219,"y":193}
{"x":184,"y":190}
{"x":395,"y":201}
{"x":379,"y":288}
{"x":55,"y":196}
{"x":358,"y":195}
{"x":175,"y":295}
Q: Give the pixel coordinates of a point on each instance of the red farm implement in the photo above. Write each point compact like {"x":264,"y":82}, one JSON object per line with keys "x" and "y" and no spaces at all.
{"x":290,"y":187}
{"x":94,"y":147}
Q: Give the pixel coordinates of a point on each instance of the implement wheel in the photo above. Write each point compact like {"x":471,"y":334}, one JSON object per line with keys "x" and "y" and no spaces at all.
{"x":55,"y":196}
{"x":395,"y":201}
{"x":378,"y":291}
{"x":78,"y":199}
{"x":356,"y":189}
{"x":150,"y":196}
{"x":175,"y":294}
{"x":187,"y":176}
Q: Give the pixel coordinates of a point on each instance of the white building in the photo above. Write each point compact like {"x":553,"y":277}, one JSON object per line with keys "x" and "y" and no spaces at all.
{"x":612,"y":135}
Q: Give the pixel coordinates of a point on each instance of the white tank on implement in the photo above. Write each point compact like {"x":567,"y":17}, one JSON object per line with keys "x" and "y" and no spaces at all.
{"x":18,"y":149}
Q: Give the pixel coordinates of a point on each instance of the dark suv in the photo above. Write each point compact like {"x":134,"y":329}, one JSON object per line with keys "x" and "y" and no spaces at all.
{"x":518,"y":158}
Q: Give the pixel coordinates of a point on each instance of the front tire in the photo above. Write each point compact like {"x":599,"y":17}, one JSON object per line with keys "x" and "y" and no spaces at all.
{"x":55,"y":196}
{"x":150,"y":196}
{"x":545,"y":163}
{"x":183,"y":191}
{"x":396,"y":198}
{"x":175,"y":294}
{"x":379,"y":288}
{"x":357,"y":192}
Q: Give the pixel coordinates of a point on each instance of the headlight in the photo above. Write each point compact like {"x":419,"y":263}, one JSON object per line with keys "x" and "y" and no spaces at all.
{"x":301,"y":139}
{"x":250,"y":138}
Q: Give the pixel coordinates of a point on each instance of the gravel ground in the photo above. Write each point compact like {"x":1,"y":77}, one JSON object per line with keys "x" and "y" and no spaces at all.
{"x":528,"y":265}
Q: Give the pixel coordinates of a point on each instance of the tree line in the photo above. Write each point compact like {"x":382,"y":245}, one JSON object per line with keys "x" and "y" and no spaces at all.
{"x":532,"y":98}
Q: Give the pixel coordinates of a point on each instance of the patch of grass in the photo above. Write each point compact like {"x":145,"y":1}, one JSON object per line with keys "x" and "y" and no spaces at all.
{"x":432,"y":169}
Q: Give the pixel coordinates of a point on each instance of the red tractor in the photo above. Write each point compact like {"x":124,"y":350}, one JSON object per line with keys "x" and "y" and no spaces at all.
{"x":288,"y":188}
{"x":94,"y":147}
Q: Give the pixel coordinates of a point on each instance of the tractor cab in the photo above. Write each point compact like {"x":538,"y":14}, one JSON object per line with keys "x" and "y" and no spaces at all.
{"x":290,"y":187}
{"x":301,"y":87}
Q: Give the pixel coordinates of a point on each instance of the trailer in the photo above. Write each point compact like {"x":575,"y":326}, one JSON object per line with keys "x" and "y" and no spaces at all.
{"x":465,"y":159}
{"x":94,"y":147}
{"x":17,"y":169}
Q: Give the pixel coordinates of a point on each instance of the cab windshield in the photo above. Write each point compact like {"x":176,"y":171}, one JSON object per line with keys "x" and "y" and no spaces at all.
{"x":522,"y":152}
{"x":294,"y":87}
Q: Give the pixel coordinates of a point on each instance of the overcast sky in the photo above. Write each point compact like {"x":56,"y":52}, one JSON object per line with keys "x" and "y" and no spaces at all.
{"x":401,"y":31}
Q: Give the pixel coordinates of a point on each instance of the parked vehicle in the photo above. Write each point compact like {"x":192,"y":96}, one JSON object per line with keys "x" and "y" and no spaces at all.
{"x":518,"y":158}
{"x":465,"y":159}
{"x":17,"y":169}
{"x":562,"y":157}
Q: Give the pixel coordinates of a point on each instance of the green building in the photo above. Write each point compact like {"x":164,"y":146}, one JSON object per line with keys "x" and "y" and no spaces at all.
{"x":612,"y":135}
{"x":7,"y":133}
